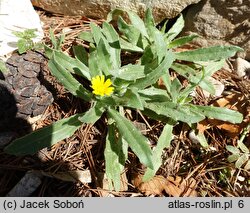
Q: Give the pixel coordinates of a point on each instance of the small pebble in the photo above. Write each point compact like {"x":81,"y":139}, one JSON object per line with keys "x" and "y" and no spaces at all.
{"x":242,"y":67}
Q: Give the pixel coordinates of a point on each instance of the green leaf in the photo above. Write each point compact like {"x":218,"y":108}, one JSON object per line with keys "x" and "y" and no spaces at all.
{"x":96,"y":32}
{"x":233,"y":149}
{"x":104,"y":60}
{"x":206,"y":54}
{"x":3,"y":67}
{"x":194,"y":76}
{"x":151,"y":114}
{"x":199,"y":77}
{"x":175,"y":29}
{"x":156,"y":73}
{"x":113,"y":46}
{"x":56,"y":42}
{"x":81,"y":54}
{"x":132,"y":34}
{"x":175,"y":111}
{"x":114,"y":158}
{"x":129,"y":72}
{"x":137,"y":23}
{"x":68,"y":81}
{"x":93,"y":114}
{"x":167,"y":81}
{"x":247,"y":165}
{"x":219,"y":113}
{"x":242,"y":160}
{"x":163,"y":142}
{"x":94,"y":64}
{"x":154,"y":94}
{"x":23,"y":45}
{"x":26,"y":34}
{"x":129,"y":46}
{"x":86,"y":36}
{"x":202,"y":140}
{"x":232,"y":158}
{"x":175,"y":89}
{"x":53,"y":38}
{"x":137,"y":142}
{"x":148,"y":56}
{"x":159,"y":44}
{"x":73,"y":65}
{"x":45,"y":137}
{"x":181,"y":41}
{"x":130,"y":98}
{"x":211,"y":67}
{"x":149,"y":21}
{"x":243,"y":147}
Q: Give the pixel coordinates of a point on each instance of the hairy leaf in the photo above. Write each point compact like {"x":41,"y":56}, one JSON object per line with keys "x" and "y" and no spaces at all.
{"x":114,"y":158}
{"x":137,"y":142}
{"x":81,"y":54}
{"x":233,"y":149}
{"x":138,"y":23}
{"x":70,"y":83}
{"x":175,"y":29}
{"x":206,"y":54}
{"x":45,"y":137}
{"x":174,"y":111}
{"x":156,"y":73}
{"x":129,"y":72}
{"x":93,"y":114}
{"x":163,"y":142}
{"x":73,"y":65}
{"x":219,"y":113}
{"x":181,"y":41}
{"x":241,"y":160}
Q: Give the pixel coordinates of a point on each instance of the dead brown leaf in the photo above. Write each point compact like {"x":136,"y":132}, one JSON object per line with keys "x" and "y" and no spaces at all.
{"x":179,"y":187}
{"x":235,"y":102}
{"x":103,"y":183}
{"x":175,"y":187}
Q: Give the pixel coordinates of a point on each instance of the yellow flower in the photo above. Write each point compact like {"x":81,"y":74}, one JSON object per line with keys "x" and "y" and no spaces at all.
{"x":100,"y":86}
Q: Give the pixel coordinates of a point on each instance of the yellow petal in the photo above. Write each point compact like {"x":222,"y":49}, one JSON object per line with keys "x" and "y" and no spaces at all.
{"x":107,"y":83}
{"x":102,"y":79}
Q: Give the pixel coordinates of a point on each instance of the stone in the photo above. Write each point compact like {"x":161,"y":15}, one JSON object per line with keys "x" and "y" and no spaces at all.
{"x":219,"y":22}
{"x":26,"y":186}
{"x":242,"y":67}
{"x":218,"y":86}
{"x":100,"y":8}
{"x":16,"y":16}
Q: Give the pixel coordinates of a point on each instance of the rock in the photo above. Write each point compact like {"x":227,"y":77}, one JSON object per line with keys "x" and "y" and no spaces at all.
{"x":26,"y":186}
{"x":17,"y":16}
{"x":220,"y":22}
{"x":218,"y":86}
{"x":242,"y":67}
{"x":100,"y":8}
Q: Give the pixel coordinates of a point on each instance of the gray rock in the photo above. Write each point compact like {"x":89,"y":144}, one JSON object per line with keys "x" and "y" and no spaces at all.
{"x":26,"y":186}
{"x":220,"y":22}
{"x":242,"y":67}
{"x":100,"y":8}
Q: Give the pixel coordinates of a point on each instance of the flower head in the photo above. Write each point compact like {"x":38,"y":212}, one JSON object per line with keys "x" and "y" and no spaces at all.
{"x":100,"y":86}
